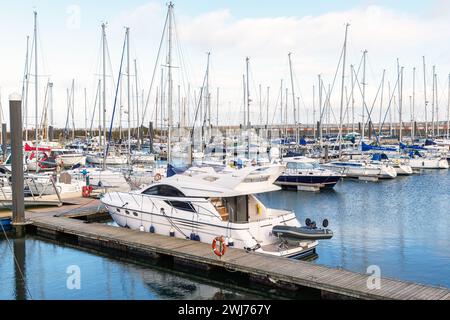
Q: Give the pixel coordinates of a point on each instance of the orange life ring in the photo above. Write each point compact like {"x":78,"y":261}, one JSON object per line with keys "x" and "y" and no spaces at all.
{"x":220,"y":252}
{"x":157,"y":177}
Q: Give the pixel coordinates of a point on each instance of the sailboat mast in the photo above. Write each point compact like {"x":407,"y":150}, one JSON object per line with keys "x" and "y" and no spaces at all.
{"x":364,"y":96}
{"x":169,"y":102}
{"x":381,"y":103}
{"x":281,"y":102}
{"x":267,"y":107}
{"x":436,"y":102}
{"x":433,"y":102}
{"x":102,"y":139}
{"x":260,"y":105}
{"x":448,"y":109}
{"x":245,"y":99}
{"x":413,"y":116}
{"x":127,"y":32}
{"x":207,"y":94}
{"x":25,"y":89}
{"x":401,"y":105}
{"x":247,"y":60}
{"x":285,"y":111}
{"x":138,"y":123}
{"x":341,"y":114}
{"x":293,"y":96}
{"x":353,"y":98}
{"x":99,"y":87}
{"x":73,"y":109}
{"x":320,"y":110}
{"x":425,"y":95}
{"x":217,"y":111}
{"x":50,"y":102}
{"x":314,"y":111}
{"x":85,"y":114}
{"x":36,"y":76}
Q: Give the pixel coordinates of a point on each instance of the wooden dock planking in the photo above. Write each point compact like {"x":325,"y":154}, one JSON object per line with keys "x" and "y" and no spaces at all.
{"x":446,"y":297}
{"x":422,"y":292}
{"x":343,"y":279}
{"x":301,"y":273}
{"x":435,"y":295}
{"x":407,"y":292}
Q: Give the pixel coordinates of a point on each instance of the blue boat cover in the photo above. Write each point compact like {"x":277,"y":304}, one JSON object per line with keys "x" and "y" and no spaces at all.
{"x":379,"y":157}
{"x":366,"y":147}
{"x":171,"y":170}
{"x":303,"y":142}
{"x":404,"y":146}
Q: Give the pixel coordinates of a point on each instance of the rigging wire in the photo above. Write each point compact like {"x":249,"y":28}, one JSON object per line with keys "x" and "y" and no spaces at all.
{"x":115,"y":100}
{"x":154,"y":70}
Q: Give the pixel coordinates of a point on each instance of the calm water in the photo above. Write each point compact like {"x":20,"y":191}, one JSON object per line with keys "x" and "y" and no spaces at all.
{"x":45,"y":266}
{"x":401,"y":225}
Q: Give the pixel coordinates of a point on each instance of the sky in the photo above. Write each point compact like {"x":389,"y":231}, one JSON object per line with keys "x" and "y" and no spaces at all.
{"x":69,"y":34}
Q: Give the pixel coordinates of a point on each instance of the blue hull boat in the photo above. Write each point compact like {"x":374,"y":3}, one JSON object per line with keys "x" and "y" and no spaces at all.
{"x":326,"y":182}
{"x":5,"y":224}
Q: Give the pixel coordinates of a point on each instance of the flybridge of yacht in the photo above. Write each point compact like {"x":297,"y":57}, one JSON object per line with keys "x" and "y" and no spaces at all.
{"x":209,"y":183}
{"x":202,"y":203}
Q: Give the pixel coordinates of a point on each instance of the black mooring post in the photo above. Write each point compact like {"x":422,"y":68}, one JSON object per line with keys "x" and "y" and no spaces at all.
{"x":150,"y":136}
{"x":18,"y":207}
{"x":4,"y":143}
{"x":51,"y":134}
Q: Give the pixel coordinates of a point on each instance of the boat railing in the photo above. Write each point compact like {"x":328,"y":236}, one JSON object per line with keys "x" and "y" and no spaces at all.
{"x":201,"y":210}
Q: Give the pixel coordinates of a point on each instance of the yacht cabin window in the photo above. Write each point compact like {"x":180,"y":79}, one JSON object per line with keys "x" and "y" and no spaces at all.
{"x":180,"y":205}
{"x":301,"y":165}
{"x":164,"y":191}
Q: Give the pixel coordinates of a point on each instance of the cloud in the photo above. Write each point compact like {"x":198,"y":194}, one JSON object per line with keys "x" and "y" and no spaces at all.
{"x":439,"y":9}
{"x":315,"y":41}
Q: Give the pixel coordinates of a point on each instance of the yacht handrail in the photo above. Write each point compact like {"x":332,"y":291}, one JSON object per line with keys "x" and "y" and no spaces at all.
{"x":210,"y":213}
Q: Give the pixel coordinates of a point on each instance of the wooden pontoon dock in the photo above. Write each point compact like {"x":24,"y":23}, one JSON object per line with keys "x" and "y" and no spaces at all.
{"x":273,"y":271}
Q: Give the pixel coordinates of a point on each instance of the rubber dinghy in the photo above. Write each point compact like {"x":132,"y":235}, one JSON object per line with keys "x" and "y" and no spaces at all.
{"x":309,"y":232}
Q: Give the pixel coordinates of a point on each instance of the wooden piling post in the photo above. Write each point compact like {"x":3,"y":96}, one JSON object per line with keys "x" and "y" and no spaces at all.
{"x":18,"y":207}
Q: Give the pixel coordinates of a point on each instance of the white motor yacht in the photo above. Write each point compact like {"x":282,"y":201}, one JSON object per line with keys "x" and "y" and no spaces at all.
{"x":305,"y":173}
{"x":362,"y":170}
{"x":68,"y":158}
{"x":202,"y":204}
{"x":111,"y":159}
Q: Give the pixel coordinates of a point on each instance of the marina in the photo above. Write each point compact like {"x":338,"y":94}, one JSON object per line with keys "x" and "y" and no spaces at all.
{"x":150,"y":179}
{"x":262,"y":268}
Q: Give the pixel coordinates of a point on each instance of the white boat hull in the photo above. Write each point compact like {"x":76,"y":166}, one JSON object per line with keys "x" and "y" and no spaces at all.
{"x":429,"y":163}
{"x":110,"y":160}
{"x":137,"y":212}
{"x":378,"y":172}
{"x":403,"y":170}
{"x":45,"y":188}
{"x":68,"y":161}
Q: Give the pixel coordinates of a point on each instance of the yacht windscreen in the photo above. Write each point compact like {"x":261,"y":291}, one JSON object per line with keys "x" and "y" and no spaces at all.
{"x":164,"y":191}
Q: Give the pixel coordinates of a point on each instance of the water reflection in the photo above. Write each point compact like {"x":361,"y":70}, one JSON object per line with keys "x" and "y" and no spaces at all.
{"x":45,"y":264}
{"x":20,"y":269}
